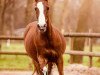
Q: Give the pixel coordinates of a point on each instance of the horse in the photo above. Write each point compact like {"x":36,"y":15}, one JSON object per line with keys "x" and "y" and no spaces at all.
{"x":44,"y":44}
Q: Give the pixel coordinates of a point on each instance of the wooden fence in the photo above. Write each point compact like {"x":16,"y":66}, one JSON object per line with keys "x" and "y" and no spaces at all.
{"x":71,"y":52}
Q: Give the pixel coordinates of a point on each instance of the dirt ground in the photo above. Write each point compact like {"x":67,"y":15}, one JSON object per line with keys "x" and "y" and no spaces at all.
{"x":77,"y":69}
{"x":74,"y":69}
{"x":15,"y":73}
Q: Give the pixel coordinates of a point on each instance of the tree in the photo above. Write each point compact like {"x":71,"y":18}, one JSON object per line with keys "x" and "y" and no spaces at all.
{"x":6,"y":15}
{"x":9,"y":17}
{"x":65,"y":13}
{"x":30,"y":12}
{"x":51,"y":5}
{"x":6,"y":5}
{"x":2,"y":11}
{"x":78,"y":43}
{"x":57,"y":13}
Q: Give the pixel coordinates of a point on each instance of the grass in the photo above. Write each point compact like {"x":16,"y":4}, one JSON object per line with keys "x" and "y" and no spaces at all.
{"x":19,"y":47}
{"x":24,"y":63}
{"x":14,"y":62}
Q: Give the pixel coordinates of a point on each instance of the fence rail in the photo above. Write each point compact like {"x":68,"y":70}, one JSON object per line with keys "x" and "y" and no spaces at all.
{"x":13,"y":53}
{"x":11,"y":38}
{"x":81,"y":53}
{"x":91,"y":35}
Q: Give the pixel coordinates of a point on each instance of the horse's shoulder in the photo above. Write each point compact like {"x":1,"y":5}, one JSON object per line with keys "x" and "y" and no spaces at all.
{"x":29,"y":26}
{"x":56,"y":31}
{"x":32,"y":24}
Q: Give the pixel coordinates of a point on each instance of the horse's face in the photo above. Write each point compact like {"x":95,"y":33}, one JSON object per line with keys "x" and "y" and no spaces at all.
{"x":42,"y":14}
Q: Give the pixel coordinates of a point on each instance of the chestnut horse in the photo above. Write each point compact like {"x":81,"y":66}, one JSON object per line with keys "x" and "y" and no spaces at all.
{"x":43,"y":42}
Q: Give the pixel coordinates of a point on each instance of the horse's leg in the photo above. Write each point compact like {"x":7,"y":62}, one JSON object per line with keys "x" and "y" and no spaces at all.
{"x":60,"y":65}
{"x":37,"y":68}
{"x":50,"y":64}
{"x":34,"y":72}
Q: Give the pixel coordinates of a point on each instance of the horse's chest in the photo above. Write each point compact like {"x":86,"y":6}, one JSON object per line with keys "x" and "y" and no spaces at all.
{"x":41,"y":43}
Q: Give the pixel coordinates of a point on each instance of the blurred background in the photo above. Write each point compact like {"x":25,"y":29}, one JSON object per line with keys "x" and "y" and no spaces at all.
{"x":67,"y":15}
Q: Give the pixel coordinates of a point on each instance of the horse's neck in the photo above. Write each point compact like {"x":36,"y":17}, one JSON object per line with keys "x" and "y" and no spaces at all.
{"x":49,"y":28}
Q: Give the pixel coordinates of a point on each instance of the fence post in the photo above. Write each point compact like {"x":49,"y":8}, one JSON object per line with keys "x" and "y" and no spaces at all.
{"x":71,"y":47}
{"x":90,"y":48}
{"x":0,"y":46}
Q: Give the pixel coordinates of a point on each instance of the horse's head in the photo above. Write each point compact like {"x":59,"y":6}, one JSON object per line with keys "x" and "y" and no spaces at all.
{"x":41,"y":8}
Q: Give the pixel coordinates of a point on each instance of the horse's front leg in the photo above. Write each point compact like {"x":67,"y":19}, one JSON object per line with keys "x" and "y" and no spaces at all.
{"x":60,"y":65}
{"x":50,"y":64}
{"x":37,"y":69}
{"x":42,"y":63}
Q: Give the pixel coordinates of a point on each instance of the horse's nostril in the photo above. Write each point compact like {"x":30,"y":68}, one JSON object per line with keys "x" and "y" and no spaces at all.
{"x":45,"y":25}
{"x":38,"y":25}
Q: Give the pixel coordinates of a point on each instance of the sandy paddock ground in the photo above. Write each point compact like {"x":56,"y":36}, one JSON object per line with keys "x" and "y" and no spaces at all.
{"x":73,"y":69}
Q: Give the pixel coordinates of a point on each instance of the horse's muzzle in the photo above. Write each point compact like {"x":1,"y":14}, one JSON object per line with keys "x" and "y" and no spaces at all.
{"x":42,"y":28}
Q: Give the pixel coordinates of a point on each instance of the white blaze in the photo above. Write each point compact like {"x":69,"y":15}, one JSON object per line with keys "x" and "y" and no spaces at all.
{"x":41,"y":19}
